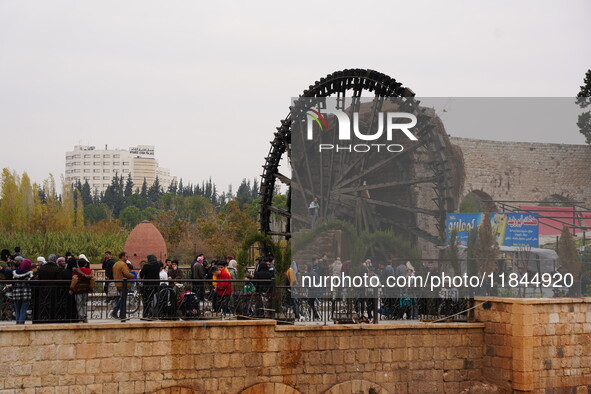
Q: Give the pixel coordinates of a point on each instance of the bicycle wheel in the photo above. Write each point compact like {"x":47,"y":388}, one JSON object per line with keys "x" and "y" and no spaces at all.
{"x":133,"y":303}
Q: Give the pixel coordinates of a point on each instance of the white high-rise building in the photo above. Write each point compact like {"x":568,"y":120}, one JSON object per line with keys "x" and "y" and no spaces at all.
{"x":99,"y":166}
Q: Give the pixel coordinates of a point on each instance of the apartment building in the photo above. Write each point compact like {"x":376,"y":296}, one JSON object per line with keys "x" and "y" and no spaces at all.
{"x":99,"y":166}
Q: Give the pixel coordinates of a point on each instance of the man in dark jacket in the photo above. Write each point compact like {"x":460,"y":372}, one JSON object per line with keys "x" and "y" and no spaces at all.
{"x":264,"y":288}
{"x":150,"y":270}
{"x":108,"y":263}
{"x":198,"y":272}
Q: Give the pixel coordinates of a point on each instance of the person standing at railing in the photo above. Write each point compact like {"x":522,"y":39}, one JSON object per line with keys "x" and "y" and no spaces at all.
{"x":150,"y":270}
{"x":67,"y":273}
{"x":163,"y":274}
{"x":82,"y":284}
{"x":264,"y":289}
{"x":224,"y":289}
{"x":291,"y":281}
{"x":198,"y":272}
{"x":175,"y":272}
{"x":108,"y":263}
{"x":21,"y":291}
{"x":48,"y":303}
{"x":120,"y":271}
{"x":4,"y":263}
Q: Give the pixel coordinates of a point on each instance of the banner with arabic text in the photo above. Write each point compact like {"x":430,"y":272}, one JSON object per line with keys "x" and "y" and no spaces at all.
{"x":510,"y":228}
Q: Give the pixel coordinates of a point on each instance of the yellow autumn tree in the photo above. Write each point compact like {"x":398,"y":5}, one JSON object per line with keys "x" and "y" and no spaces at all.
{"x":9,"y":206}
{"x":25,"y":200}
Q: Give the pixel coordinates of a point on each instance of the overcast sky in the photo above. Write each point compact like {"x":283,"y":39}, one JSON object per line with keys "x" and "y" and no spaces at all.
{"x":208,"y":82}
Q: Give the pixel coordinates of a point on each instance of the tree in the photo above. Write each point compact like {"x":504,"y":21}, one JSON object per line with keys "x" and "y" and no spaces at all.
{"x":487,"y":248}
{"x":180,"y":187}
{"x":95,"y":213}
{"x":136,"y":200}
{"x":131,"y":216}
{"x":255,"y":189}
{"x":9,"y":209}
{"x":583,"y":100}
{"x":567,"y":252}
{"x":144,"y":192}
{"x":172,"y":188}
{"x":86,"y":194}
{"x":453,"y":254}
{"x":150,"y":213}
{"x":244,"y":193}
{"x":154,"y":191}
{"x":128,"y":186}
{"x":113,"y":196}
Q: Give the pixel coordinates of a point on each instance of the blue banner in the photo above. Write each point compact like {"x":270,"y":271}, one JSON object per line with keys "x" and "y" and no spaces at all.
{"x":510,"y":228}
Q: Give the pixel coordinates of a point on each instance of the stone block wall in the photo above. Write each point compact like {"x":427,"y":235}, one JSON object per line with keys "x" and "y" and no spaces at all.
{"x":516,"y":345}
{"x":537,"y":344}
{"x":231,"y":356}
{"x":524,"y":170}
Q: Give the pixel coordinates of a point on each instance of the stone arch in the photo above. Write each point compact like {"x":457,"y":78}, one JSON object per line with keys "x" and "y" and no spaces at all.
{"x":357,"y":387}
{"x":270,"y":388}
{"x":176,"y":390}
{"x":474,"y":202}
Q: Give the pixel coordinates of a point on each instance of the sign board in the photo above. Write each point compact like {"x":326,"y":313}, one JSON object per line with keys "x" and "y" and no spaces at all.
{"x":510,"y":228}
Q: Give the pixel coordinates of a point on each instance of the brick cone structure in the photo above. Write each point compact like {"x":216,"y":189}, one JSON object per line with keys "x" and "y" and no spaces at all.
{"x":143,"y":240}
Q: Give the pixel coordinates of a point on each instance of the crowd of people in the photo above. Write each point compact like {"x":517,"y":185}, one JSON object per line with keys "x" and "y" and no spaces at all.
{"x":167,"y":291}
{"x":63,"y":299}
{"x":164,"y":287}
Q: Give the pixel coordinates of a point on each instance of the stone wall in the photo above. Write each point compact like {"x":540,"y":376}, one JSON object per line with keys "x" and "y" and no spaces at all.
{"x":537,"y":344}
{"x":232,"y":356}
{"x":526,"y":171}
{"x":524,"y":345}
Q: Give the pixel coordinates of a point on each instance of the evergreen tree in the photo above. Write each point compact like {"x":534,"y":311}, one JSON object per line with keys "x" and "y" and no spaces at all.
{"x":42,"y":196}
{"x":172,"y":188}
{"x":244,"y":193}
{"x":583,"y":100}
{"x":155,"y":191}
{"x":180,"y":187}
{"x":85,"y":192}
{"x":128,"y":186}
{"x":214,"y":196}
{"x":255,"y":189}
{"x":113,"y":196}
{"x":144,"y":192}
{"x":208,"y":190}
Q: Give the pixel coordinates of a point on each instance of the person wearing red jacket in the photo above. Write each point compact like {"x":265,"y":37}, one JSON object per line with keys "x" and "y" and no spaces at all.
{"x":224,"y":289}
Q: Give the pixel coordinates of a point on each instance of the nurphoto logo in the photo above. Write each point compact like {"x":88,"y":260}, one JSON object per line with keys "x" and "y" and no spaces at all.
{"x":387,"y":122}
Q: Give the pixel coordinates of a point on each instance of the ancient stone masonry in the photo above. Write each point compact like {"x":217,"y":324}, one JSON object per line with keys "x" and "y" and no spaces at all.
{"x":526,"y":171}
{"x":526,"y":345}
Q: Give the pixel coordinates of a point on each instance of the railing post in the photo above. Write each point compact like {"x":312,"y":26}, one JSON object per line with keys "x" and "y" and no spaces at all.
{"x":273,"y":302}
{"x":123,"y":311}
{"x":375,"y":306}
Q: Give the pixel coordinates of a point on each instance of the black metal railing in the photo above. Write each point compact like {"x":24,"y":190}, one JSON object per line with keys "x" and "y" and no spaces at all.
{"x":192,"y":299}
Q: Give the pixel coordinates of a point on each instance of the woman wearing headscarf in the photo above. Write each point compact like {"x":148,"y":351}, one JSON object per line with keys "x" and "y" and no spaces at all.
{"x":82,"y":283}
{"x":70,"y":300}
{"x":233,"y":269}
{"x":21,"y":291}
{"x":48,"y":305}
